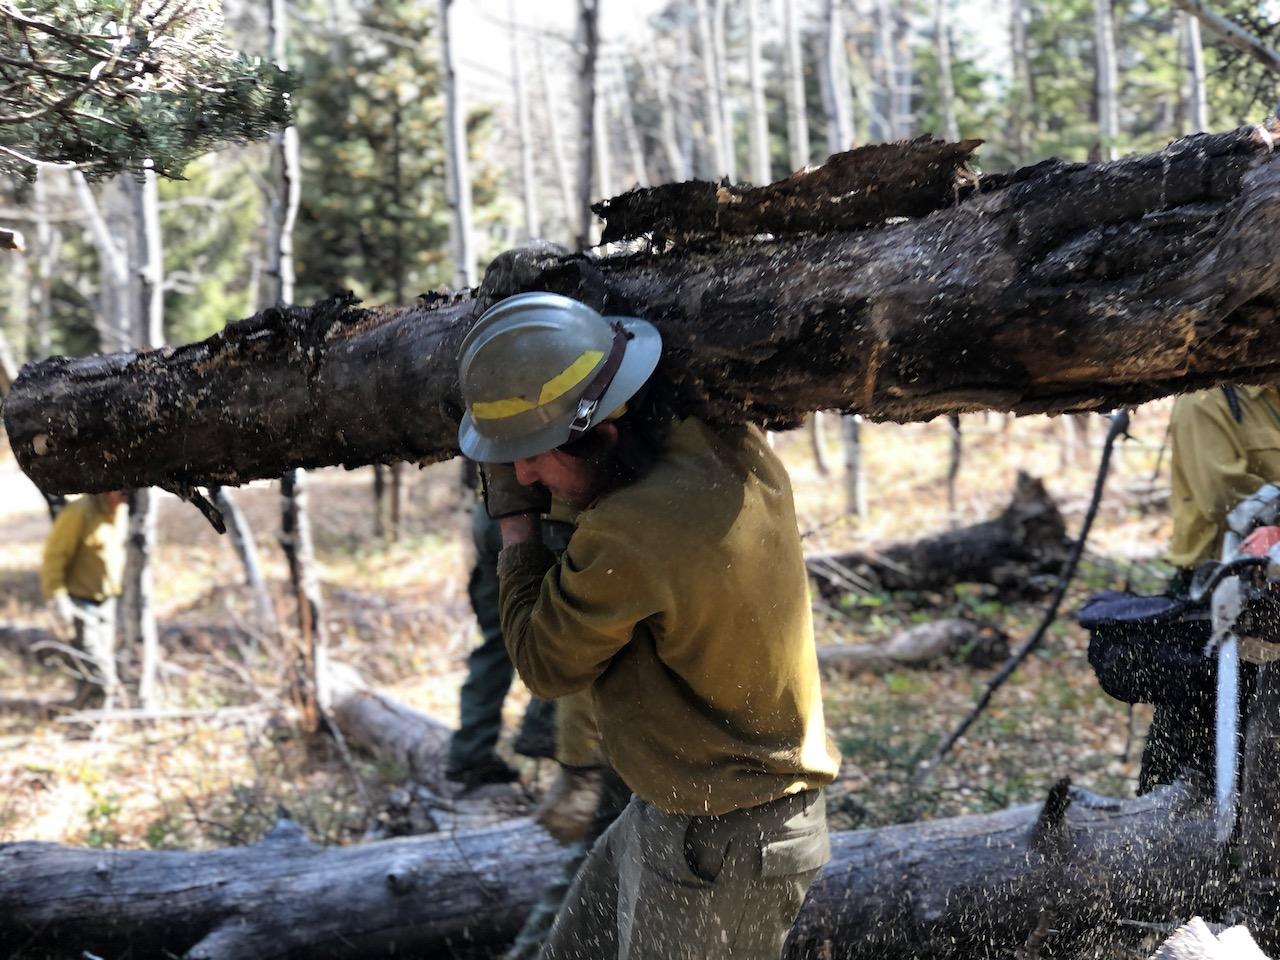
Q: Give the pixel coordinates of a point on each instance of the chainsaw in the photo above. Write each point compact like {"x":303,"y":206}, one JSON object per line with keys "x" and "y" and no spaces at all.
{"x":1245,"y":609}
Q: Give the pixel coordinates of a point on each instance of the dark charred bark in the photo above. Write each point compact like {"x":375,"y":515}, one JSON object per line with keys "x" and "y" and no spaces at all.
{"x":1061,"y":287}
{"x":1027,"y":538}
{"x":947,"y":888}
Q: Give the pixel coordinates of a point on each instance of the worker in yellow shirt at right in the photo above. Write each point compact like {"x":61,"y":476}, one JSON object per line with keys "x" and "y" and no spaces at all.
{"x":1225,"y":444}
{"x":81,"y":577}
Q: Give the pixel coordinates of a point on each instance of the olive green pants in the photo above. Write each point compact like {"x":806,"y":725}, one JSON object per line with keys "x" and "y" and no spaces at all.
{"x":660,"y":886}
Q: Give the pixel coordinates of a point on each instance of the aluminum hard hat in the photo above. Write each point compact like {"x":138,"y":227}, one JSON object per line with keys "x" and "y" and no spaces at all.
{"x":539,"y":369}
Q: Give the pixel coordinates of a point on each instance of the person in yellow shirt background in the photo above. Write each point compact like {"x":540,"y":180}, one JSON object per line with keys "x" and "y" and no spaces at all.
{"x":81,"y":576}
{"x":1225,"y":444}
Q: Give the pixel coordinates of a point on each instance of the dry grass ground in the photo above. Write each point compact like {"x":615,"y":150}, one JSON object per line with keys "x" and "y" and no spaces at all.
{"x":399,"y":613}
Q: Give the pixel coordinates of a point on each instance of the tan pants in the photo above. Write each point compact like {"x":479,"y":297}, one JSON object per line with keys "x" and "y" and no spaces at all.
{"x":97,"y":682}
{"x":660,"y":886}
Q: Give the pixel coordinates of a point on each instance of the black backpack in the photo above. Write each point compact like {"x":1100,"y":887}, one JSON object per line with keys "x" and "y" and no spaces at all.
{"x":1148,"y":649}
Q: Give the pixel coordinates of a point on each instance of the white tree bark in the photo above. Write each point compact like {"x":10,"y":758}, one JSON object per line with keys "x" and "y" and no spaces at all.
{"x":885,"y":76}
{"x":1022,"y":98}
{"x":757,"y":112}
{"x":113,"y":323}
{"x":797,"y":116}
{"x":148,"y":333}
{"x":564,"y":183}
{"x":835,"y":82}
{"x":626,"y":114}
{"x":457,"y":167}
{"x":712,"y":108}
{"x":589,"y":46}
{"x":946,"y":84}
{"x":727,"y":125}
{"x":677,"y":161}
{"x":519,"y":92}
{"x":1108,"y":92}
{"x":602,"y":148}
{"x":904,"y":120}
{"x":1231,"y":33}
{"x":855,"y":494}
{"x":246,"y":547}
{"x":47,"y":242}
{"x":1197,"y":92}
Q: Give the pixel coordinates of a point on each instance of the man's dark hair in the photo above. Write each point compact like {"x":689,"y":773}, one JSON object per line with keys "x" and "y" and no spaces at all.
{"x":644,"y":432}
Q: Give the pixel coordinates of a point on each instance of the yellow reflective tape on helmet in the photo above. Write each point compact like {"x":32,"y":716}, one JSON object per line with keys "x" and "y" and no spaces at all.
{"x":553,"y":389}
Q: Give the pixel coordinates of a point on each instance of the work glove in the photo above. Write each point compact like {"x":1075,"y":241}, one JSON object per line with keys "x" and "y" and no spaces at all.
{"x":504,"y":495}
{"x":64,"y":612}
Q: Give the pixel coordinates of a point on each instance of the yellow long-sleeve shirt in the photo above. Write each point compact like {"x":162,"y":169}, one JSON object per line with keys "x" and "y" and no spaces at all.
{"x":682,"y":603}
{"x":84,"y":552}
{"x":1216,"y":463}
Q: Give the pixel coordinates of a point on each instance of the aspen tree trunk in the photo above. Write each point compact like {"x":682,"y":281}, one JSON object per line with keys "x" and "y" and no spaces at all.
{"x":555,"y":134}
{"x":246,"y":547}
{"x":1197,"y":92}
{"x":114,"y":306}
{"x":457,"y":168}
{"x":528,"y":182}
{"x":589,"y":39}
{"x":834,"y":71}
{"x":681,"y":101}
{"x":904,"y":122}
{"x":727,"y":124}
{"x":47,"y":242}
{"x":855,"y":494}
{"x":1022,"y":98}
{"x":715,"y":164}
{"x":1231,"y":33}
{"x":1105,"y":63}
{"x":946,"y":85}
{"x":148,"y":332}
{"x":630,"y":136}
{"x":379,"y":501}
{"x":885,"y":77}
{"x":677,"y":163}
{"x":602,"y":146}
{"x":295,"y":525}
{"x":797,"y":118}
{"x":757,"y":113}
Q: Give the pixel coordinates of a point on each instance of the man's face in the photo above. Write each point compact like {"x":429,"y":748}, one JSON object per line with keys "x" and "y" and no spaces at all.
{"x":570,"y":479}
{"x":114,"y":498}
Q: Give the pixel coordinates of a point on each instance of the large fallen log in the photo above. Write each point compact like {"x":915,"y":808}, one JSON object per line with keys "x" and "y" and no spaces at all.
{"x":1058,"y":287}
{"x":967,"y":886}
{"x":931,"y":644}
{"x":1027,"y":538}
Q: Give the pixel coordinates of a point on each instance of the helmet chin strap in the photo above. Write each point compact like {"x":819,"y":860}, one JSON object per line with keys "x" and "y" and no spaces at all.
{"x":599,"y":384}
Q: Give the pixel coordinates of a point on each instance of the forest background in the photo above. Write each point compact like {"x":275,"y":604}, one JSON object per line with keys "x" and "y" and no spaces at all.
{"x":692,"y":88}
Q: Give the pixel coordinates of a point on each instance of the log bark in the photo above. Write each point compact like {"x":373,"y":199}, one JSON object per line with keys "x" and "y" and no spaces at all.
{"x":1061,"y":287}
{"x":1027,"y":538}
{"x":924,"y":645}
{"x":946,"y":888}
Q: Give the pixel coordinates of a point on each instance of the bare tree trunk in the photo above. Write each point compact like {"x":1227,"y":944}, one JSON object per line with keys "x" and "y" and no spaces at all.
{"x":148,"y":333}
{"x":717,"y":164}
{"x":834,"y":69}
{"x":797,"y":115}
{"x":8,"y":366}
{"x":1232,"y":33}
{"x":727,"y":124}
{"x":630,"y":136}
{"x":457,"y":163}
{"x":1197,"y":92}
{"x":115,"y":307}
{"x":399,"y":499}
{"x":953,"y":463}
{"x":1108,"y":86}
{"x":1022,"y":97}
{"x":48,"y":240}
{"x":589,"y":41}
{"x":904,"y":122}
{"x":379,"y":501}
{"x":246,"y":548}
{"x":555,"y":134}
{"x":946,"y":86}
{"x":677,"y":161}
{"x":884,"y":116}
{"x":602,"y":147}
{"x":757,"y":112}
{"x":295,"y":525}
{"x":855,"y":492}
{"x":312,"y":651}
{"x":820,"y":456}
{"x":528,"y":181}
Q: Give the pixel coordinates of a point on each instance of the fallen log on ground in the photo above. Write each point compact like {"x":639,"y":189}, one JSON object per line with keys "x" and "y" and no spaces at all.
{"x":949,"y":640}
{"x":1026,"y":539}
{"x":1055,"y":288}
{"x":966,"y":886}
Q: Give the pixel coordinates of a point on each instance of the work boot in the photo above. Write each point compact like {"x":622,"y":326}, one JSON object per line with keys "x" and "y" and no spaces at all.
{"x":537,"y":736}
{"x":569,"y":805}
{"x":492,"y":769}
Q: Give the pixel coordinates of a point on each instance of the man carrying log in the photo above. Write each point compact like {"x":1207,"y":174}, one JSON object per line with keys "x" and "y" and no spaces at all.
{"x":681,"y":603}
